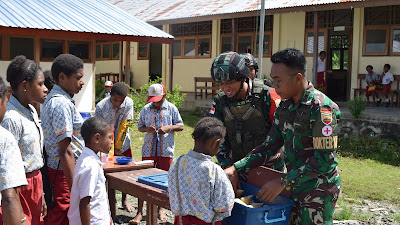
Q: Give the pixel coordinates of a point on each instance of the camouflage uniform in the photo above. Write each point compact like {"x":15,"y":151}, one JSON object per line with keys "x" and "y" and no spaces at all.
{"x":243,"y":135}
{"x":308,"y":131}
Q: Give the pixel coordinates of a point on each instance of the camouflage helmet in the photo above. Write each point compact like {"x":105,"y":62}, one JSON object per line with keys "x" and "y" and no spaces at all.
{"x":229,"y":66}
{"x":250,"y":60}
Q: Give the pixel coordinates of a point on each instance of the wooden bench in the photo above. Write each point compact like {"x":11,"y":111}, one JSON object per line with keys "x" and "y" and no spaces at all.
{"x":208,"y":85}
{"x":394,"y":91}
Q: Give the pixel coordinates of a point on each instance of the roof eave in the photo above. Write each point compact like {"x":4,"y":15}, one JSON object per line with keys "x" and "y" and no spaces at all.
{"x":81,"y":35}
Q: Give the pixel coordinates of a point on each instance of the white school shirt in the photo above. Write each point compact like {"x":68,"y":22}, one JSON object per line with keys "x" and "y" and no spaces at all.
{"x":89,"y":180}
{"x":387,"y":78}
{"x":321,"y":65}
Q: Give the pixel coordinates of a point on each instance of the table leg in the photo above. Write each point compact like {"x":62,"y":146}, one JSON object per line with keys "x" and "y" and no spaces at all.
{"x":112,"y":201}
{"x":152,"y":214}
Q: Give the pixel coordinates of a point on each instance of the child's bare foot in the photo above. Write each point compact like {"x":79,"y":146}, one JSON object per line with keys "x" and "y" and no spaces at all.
{"x":137,"y":219}
{"x":127,"y":206}
{"x":162,"y":216}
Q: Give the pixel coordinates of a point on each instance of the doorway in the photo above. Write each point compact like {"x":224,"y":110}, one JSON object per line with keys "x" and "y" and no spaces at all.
{"x":155,"y":63}
{"x":339,"y":62}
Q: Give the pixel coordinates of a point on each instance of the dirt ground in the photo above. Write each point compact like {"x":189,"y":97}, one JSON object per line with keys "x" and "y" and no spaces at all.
{"x":123,"y":217}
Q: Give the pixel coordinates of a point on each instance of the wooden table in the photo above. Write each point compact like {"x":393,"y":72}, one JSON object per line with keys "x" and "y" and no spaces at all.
{"x":127,"y":182}
{"x":113,"y":166}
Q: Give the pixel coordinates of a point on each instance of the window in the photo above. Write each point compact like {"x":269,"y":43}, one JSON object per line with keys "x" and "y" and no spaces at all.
{"x":331,"y":18}
{"x":247,"y":35}
{"x":381,"y":30}
{"x":80,"y":49}
{"x":21,"y":46}
{"x":322,"y":40}
{"x":107,"y":50}
{"x":192,"y":40}
{"x":143,"y":50}
{"x":395,"y":41}
{"x":50,"y":49}
{"x":376,"y":41}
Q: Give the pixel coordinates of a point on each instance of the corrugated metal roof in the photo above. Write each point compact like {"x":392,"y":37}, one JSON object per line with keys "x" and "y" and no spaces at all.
{"x":89,"y":16}
{"x":157,"y":10}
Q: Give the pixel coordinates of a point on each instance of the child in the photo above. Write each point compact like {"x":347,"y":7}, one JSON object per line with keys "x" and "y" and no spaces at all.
{"x":107,"y":86}
{"x":159,"y":119}
{"x":371,"y":78}
{"x":199,"y":190}
{"x":117,"y":110}
{"x":386,"y":79}
{"x":61,"y":123}
{"x":22,"y":120}
{"x":12,"y":173}
{"x":89,"y":201}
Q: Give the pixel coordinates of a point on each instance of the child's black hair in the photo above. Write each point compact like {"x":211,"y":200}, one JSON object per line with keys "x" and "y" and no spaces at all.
{"x":3,"y":90}
{"x":48,"y":80}
{"x":119,"y":89}
{"x":67,"y":64}
{"x":387,"y":65}
{"x":92,"y":126}
{"x":21,"y":69}
{"x":209,"y":128}
{"x":369,"y":66}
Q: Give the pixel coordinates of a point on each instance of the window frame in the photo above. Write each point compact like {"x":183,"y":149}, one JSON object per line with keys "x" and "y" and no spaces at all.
{"x":89,"y":59}
{"x":8,"y":53}
{"x":311,"y":30}
{"x":391,"y":40}
{"x":196,"y":54}
{"x":253,"y":35}
{"x":46,"y":59}
{"x":387,"y":44}
{"x":148,"y":51}
{"x":111,"y":43}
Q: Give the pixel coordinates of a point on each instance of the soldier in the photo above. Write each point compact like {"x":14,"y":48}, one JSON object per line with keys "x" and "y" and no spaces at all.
{"x":306,"y":125}
{"x":251,"y":62}
{"x":246,"y":111}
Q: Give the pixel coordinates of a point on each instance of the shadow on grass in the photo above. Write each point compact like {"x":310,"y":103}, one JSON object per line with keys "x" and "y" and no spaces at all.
{"x":385,"y":151}
{"x":190,"y":118}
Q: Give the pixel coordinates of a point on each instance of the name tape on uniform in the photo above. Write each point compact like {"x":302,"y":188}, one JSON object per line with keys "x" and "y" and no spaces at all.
{"x":325,"y":142}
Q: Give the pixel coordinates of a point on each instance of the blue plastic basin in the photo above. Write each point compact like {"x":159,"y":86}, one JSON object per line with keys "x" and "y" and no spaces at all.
{"x":123,"y":160}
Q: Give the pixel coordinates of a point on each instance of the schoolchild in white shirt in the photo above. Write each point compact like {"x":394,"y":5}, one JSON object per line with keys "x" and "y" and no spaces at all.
{"x":89,"y":202}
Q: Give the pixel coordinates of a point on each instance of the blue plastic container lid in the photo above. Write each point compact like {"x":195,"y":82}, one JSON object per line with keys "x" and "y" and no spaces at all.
{"x":85,"y":115}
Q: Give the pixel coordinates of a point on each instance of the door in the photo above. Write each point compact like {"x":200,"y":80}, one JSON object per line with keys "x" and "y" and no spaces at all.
{"x":338,"y":63}
{"x":155,"y":61}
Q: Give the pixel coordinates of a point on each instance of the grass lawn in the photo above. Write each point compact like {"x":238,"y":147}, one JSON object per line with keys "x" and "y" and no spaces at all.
{"x":361,"y":178}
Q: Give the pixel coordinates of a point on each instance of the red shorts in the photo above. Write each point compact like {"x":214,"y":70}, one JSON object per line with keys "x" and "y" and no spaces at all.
{"x":321,"y":82}
{"x":31,"y":198}
{"x":160,"y":162}
{"x":386,"y":89}
{"x":189,"y":220}
{"x":58,"y":214}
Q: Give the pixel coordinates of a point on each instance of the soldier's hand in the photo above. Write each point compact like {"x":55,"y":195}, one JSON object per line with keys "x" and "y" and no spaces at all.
{"x":233,"y":177}
{"x":151,"y":129}
{"x":270,"y":190}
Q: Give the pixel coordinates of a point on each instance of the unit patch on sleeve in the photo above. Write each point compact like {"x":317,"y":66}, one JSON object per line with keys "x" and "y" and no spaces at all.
{"x":326,"y":115}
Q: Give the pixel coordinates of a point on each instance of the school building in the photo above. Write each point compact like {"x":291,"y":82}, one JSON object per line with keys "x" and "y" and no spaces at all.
{"x":41,"y":30}
{"x":354,"y":33}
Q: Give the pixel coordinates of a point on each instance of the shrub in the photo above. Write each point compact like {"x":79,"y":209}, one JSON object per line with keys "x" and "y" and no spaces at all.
{"x":140,"y":97}
{"x":357,"y":106}
{"x":99,"y":90}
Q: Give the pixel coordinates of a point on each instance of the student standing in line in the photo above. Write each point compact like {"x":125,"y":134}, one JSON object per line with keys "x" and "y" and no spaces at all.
{"x":22,"y":120}
{"x":89,"y":200}
{"x":61,"y":123}
{"x":12,"y":174}
{"x":199,"y":190}
{"x":160,"y":120}
{"x":117,"y":110}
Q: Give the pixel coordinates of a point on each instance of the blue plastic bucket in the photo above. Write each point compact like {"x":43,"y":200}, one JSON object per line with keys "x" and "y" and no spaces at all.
{"x":85,"y":115}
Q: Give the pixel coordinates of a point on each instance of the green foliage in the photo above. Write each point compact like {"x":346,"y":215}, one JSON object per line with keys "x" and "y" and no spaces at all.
{"x":99,"y":90}
{"x":382,"y":150}
{"x":357,"y":106}
{"x":140,"y":97}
